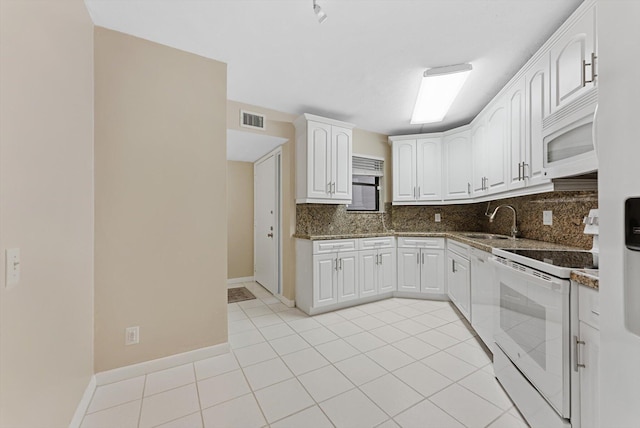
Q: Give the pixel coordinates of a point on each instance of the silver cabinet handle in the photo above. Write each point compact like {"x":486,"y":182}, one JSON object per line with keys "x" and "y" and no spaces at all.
{"x":594,"y":312}
{"x":340,"y":264}
{"x":453,"y":265}
{"x":592,"y":64}
{"x":576,"y":344}
{"x":336,"y":266}
{"x":334,"y":187}
{"x":270,"y":235}
{"x":418,"y":258}
{"x":519,"y":171}
{"x":469,"y":188}
{"x":329,"y":187}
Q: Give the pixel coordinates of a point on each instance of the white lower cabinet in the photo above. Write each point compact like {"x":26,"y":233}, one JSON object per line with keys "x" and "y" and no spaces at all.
{"x":459,"y":279}
{"x":347,"y":276}
{"x":335,"y":278}
{"x":421,"y":266}
{"x":587,"y":349}
{"x":377,"y":271}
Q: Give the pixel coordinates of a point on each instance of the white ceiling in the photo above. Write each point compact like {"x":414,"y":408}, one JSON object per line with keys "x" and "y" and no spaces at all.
{"x":249,"y":146}
{"x":363,"y":64}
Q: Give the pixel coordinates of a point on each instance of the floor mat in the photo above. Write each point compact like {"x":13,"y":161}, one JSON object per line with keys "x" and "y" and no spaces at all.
{"x":239,"y":294}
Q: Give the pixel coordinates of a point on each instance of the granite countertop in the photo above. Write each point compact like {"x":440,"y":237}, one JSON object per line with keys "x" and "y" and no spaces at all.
{"x":587,"y":278}
{"x":481,"y":244}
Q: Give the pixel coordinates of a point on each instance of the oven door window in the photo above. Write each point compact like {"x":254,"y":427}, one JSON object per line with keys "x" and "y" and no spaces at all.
{"x":523,"y":320}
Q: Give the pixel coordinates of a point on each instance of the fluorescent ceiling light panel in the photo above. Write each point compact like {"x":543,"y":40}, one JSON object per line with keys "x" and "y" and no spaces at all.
{"x":439,"y":88}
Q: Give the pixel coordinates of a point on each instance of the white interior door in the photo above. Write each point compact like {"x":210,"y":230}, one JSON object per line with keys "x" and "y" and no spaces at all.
{"x":266,"y":222}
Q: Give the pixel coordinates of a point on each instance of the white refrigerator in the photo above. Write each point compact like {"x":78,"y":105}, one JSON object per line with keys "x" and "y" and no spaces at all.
{"x":618,"y":146}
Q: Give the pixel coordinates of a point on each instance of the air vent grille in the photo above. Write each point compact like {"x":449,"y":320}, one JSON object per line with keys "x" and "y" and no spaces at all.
{"x":252,"y":120}
{"x":367,"y":166}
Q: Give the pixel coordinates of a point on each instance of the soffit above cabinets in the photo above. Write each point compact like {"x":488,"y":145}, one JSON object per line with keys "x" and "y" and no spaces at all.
{"x":363,"y":64}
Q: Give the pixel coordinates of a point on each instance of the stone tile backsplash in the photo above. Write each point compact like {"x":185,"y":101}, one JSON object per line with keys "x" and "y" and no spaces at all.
{"x":568,"y":208}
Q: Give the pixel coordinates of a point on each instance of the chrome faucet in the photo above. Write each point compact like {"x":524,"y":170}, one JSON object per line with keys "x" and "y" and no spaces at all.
{"x":514,"y":228}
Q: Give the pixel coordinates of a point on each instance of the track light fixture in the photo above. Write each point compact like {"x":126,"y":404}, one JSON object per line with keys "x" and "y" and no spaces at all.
{"x":319,"y":12}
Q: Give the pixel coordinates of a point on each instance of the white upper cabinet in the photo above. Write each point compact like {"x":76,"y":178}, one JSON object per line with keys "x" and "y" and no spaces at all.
{"x":516,"y":135}
{"x":417,"y":173}
{"x":457,"y":165}
{"x":428,"y":167}
{"x":341,"y":174}
{"x":404,"y":170}
{"x":323,"y":160}
{"x":479,"y":158}
{"x":572,"y":60}
{"x":496,"y":147}
{"x":503,"y":150}
{"x":537,"y":96}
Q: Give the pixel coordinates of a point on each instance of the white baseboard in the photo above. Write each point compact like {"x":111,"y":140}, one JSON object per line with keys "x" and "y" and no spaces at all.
{"x":285,"y":301}
{"x":83,"y":405}
{"x":232,"y":281}
{"x":146,"y":367}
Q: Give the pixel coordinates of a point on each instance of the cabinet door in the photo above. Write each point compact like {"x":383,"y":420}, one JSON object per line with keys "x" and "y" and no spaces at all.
{"x":386,"y":270}
{"x":325,"y":289}
{"x":409,"y":269}
{"x":367,"y":270}
{"x":479,"y":159}
{"x":341,"y":175}
{"x":432,"y":272}
{"x":429,"y":169}
{"x":515,"y":134}
{"x":458,"y":277}
{"x":319,"y":161}
{"x":404,"y":170}
{"x":568,"y":54}
{"x":496,"y":148}
{"x":347,"y":276}
{"x":457,"y":166}
{"x":537,"y":94}
{"x":589,"y":376}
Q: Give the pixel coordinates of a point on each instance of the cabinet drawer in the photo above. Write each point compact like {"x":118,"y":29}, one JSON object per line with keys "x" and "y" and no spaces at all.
{"x":380,"y":242}
{"x":333,"y":246}
{"x":589,"y":306}
{"x":421,"y":242}
{"x":457,"y":247}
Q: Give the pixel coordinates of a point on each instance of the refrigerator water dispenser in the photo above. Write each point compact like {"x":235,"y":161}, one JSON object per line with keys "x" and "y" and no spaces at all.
{"x":632,"y":265}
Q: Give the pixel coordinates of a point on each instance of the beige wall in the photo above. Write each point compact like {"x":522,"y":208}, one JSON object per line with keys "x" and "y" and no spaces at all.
{"x":240,"y":219}
{"x":46,"y":209}
{"x":160,"y":188}
{"x":278,"y":125}
{"x":374,"y":144}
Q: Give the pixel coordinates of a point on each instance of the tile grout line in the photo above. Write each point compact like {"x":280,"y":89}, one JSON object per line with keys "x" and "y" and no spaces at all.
{"x":195,"y":375}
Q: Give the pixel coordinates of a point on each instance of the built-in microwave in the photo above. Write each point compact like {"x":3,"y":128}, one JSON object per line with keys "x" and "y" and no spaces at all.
{"x":569,"y":138}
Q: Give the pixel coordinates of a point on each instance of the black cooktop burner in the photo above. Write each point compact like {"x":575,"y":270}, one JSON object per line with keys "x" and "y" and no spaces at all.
{"x":561,"y":258}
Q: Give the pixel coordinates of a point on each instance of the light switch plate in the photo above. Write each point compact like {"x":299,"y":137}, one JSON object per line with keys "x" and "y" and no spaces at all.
{"x":547,"y":218}
{"x":132,"y":335}
{"x":438,"y":218}
{"x":12,"y":267}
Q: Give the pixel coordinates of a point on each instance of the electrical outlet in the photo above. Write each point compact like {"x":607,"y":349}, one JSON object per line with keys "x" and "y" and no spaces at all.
{"x":132,"y":335}
{"x":438,"y":218}
{"x":547,"y":218}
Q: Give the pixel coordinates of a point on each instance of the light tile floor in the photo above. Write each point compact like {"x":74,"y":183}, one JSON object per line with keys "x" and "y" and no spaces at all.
{"x":392,"y":363}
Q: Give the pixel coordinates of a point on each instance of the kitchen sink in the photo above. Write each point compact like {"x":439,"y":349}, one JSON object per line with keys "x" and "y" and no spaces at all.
{"x":485,"y":236}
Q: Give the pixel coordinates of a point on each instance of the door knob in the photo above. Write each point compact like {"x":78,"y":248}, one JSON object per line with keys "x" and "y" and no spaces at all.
{"x":270,"y":235}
